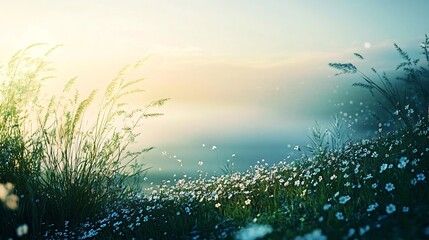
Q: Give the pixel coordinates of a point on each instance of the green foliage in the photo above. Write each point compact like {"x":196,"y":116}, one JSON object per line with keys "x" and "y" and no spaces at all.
{"x":399,"y":104}
{"x":318,"y":141}
{"x":20,"y":156}
{"x":228,"y":168}
{"x":367,"y":189}
{"x":66,"y":167}
{"x":331,"y":139}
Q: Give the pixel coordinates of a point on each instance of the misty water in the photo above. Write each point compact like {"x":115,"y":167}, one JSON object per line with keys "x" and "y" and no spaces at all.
{"x":265,"y":139}
{"x":219,"y":136}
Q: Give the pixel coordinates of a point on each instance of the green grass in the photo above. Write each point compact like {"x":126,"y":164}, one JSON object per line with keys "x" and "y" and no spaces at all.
{"x":73,"y":179}
{"x":65,"y":167}
{"x":294,"y":199}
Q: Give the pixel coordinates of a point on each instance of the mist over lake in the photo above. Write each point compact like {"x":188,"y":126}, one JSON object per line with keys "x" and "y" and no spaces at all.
{"x":267,"y":124}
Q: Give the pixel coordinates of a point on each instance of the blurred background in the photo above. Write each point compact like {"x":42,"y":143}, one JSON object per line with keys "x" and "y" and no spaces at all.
{"x":247,"y":79}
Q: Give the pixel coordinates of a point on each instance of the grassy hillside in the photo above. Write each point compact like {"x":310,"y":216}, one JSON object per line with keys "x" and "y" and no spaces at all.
{"x":61,"y":178}
{"x":371,"y":189}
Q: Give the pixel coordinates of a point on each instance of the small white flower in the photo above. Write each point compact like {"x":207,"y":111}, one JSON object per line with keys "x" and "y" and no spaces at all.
{"x":369,"y":176}
{"x":344,"y":199}
{"x":187,"y":210}
{"x":372,"y":207}
{"x":247,"y":202}
{"x":217,"y":205}
{"x":339,"y":216}
{"x":421,"y":177}
{"x":383,"y":167}
{"x":389,"y":187}
{"x":253,"y":231}
{"x":390,"y":208}
{"x":351,"y":232}
{"x":314,"y":235}
{"x":297,"y":182}
{"x":363,"y":230}
{"x":327,"y":206}
{"x":403,"y":162}
{"x":22,"y":230}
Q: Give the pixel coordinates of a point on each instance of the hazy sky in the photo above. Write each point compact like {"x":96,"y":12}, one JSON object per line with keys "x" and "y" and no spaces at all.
{"x":244,"y":75}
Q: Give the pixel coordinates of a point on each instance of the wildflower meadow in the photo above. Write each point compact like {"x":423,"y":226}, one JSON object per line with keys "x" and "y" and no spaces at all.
{"x":66,"y":176}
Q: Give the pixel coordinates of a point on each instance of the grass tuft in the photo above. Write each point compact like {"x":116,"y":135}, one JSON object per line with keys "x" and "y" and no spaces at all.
{"x":66,"y":167}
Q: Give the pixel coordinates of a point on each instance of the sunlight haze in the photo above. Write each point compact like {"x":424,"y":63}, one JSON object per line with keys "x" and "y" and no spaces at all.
{"x":249,"y":77}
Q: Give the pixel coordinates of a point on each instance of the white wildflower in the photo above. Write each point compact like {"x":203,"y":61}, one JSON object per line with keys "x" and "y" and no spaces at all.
{"x":22,"y":230}
{"x":390,"y":208}
{"x":421,"y":177}
{"x":327,"y":206}
{"x":351,"y":232}
{"x":344,"y":199}
{"x":339,"y":215}
{"x":314,"y":235}
{"x":383,"y":167}
{"x":403,"y":162}
{"x":389,"y":187}
{"x":364,"y":230}
{"x":372,"y":207}
{"x":253,"y":231}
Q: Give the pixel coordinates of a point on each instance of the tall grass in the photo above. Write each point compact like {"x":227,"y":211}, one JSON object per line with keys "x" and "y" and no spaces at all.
{"x":65,"y":167}
{"x":331,"y":139}
{"x":398,"y":103}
